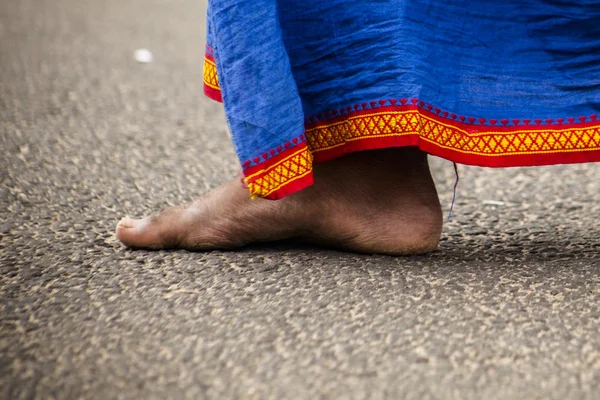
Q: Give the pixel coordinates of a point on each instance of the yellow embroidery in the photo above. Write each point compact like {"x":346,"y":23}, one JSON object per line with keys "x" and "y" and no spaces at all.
{"x":211,"y":79}
{"x":286,"y":171}
{"x":485,"y":143}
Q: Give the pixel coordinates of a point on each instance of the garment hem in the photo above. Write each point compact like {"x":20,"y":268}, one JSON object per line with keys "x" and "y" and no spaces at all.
{"x":373,"y":125}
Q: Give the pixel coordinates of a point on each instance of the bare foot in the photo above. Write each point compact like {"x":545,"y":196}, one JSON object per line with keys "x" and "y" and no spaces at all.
{"x":381,"y":201}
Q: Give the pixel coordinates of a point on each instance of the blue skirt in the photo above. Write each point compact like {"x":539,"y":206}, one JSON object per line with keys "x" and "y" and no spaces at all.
{"x":489,"y":83}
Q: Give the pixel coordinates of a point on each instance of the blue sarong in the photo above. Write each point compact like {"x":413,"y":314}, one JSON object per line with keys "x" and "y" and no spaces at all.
{"x":489,"y":83}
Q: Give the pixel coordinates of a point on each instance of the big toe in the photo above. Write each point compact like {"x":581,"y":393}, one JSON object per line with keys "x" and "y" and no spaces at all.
{"x":146,"y":233}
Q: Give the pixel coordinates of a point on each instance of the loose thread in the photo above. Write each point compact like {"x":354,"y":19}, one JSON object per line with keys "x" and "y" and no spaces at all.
{"x":454,"y":194}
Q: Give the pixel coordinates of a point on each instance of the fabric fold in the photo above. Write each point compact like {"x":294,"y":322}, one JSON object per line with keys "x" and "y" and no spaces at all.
{"x":248,"y":68}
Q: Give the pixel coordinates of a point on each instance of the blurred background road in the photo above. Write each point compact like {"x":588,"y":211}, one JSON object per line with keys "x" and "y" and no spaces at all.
{"x":508,"y":308}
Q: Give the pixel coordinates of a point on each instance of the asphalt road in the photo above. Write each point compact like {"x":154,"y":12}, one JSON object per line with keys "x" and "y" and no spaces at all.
{"x":508,"y":308}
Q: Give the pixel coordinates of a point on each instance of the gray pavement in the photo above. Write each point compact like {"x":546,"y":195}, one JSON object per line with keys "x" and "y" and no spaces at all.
{"x":508,"y":308}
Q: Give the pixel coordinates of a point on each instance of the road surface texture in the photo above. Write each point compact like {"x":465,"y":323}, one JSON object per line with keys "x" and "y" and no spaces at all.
{"x":507,"y":308}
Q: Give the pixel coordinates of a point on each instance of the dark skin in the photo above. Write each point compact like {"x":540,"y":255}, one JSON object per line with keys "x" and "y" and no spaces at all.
{"x":381,"y":201}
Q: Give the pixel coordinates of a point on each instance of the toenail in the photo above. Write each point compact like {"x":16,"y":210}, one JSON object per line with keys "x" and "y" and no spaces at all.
{"x":127,"y":223}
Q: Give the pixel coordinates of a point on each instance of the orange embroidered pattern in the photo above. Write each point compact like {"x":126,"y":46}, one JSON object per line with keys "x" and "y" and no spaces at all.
{"x":297,"y":165}
{"x":482,"y":141}
{"x":211,"y":79}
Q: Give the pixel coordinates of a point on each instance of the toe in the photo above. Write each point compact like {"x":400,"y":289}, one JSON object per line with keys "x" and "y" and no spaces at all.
{"x":126,"y":223}
{"x":146,"y":233}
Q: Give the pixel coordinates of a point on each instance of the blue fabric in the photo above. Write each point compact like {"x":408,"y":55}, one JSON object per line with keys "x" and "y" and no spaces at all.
{"x":281,"y":60}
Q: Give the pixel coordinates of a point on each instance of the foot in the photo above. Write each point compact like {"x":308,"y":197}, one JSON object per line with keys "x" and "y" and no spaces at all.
{"x":381,"y":201}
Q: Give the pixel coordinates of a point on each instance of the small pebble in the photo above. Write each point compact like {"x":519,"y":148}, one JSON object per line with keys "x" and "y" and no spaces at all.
{"x":143,"y":56}
{"x":493,"y":203}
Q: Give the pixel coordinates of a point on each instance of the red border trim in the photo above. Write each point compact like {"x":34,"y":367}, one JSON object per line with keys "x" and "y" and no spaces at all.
{"x":397,"y":126}
{"x":497,"y":160}
{"x":214,"y":94}
{"x":292,"y":188}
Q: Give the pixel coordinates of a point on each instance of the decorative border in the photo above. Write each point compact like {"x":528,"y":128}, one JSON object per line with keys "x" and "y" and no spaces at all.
{"x":412,"y":122}
{"x":212,"y":88}
{"x":392,"y":123}
{"x":281,"y":175}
